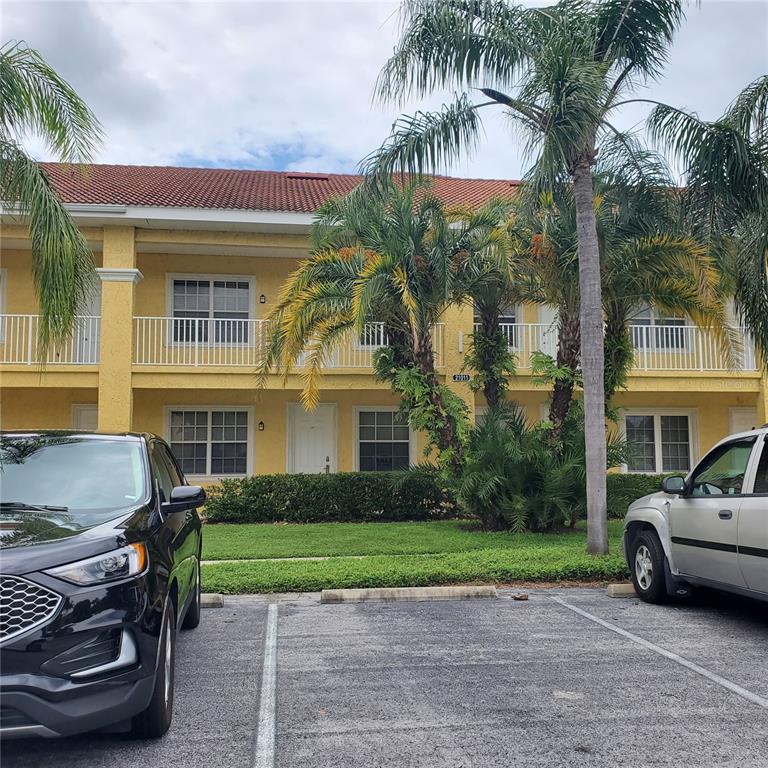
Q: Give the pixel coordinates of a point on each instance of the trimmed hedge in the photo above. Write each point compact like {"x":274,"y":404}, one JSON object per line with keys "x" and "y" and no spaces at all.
{"x":344,"y":497}
{"x":623,"y":489}
{"x":360,"y":497}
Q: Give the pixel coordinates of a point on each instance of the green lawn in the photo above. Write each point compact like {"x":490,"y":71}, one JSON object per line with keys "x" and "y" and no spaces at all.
{"x":395,"y":555}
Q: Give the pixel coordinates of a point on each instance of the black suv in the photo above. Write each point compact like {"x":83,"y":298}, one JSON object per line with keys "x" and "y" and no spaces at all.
{"x":99,"y":565}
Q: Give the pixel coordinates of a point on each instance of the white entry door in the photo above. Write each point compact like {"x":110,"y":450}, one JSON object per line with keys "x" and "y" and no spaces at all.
{"x":312,"y":439}
{"x":85,"y":417}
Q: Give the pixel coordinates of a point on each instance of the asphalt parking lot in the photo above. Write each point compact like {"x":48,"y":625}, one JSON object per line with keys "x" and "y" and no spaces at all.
{"x":457,"y":685}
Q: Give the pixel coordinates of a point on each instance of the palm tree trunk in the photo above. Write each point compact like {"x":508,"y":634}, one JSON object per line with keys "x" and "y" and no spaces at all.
{"x":447,"y":433}
{"x":592,"y":355}
{"x":567,"y":355}
{"x":489,"y":328}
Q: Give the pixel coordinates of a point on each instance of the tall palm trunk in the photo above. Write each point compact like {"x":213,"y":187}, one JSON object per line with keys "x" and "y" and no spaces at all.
{"x":592,"y":355}
{"x":568,"y":356}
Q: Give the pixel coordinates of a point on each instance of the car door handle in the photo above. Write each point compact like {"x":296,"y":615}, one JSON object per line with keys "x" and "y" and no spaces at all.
{"x":725,"y":514}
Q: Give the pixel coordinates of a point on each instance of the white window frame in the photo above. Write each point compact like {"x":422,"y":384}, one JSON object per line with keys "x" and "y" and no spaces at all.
{"x":170,"y":277}
{"x":657,"y":413}
{"x":249,"y":451}
{"x":79,"y":408}
{"x":356,"y":410}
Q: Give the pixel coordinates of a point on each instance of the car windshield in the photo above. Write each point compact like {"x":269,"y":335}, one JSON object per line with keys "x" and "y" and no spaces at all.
{"x":90,"y":478}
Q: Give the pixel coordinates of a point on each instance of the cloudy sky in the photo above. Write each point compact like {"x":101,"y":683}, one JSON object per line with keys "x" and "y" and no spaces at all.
{"x":287,"y":85}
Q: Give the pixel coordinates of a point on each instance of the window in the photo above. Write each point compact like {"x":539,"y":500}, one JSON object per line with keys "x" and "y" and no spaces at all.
{"x":508,"y":319}
{"x":658,"y":442}
{"x":210,"y":441}
{"x":160,"y":472}
{"x":210,"y":309}
{"x":383,"y":441}
{"x":722,"y":471}
{"x":650,"y":330}
{"x":761,"y":476}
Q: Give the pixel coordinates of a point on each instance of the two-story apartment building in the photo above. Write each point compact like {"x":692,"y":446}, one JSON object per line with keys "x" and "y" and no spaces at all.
{"x":190,"y":263}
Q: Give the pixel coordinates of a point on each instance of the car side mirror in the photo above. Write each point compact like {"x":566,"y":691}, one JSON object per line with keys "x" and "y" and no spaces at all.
{"x":674,"y":485}
{"x":184,"y":497}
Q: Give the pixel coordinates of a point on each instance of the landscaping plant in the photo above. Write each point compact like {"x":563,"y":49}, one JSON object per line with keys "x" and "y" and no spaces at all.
{"x":559,"y":73}
{"x":34,"y":99}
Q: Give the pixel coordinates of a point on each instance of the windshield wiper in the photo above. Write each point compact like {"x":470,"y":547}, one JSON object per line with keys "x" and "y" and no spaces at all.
{"x":31,"y":507}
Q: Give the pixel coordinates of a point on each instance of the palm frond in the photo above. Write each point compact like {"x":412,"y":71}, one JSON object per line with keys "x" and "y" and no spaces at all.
{"x":426,"y":141}
{"x":62,"y":262}
{"x":33,"y":97}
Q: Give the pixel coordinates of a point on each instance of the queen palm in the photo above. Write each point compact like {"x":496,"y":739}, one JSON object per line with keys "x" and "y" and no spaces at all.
{"x":393,"y":260}
{"x":558,"y":73}
{"x":34,"y":99}
{"x":726,"y":194}
{"x":646,"y":259}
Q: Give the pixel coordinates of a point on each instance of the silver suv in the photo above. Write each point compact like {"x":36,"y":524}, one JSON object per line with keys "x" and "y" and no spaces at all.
{"x":709,"y":528}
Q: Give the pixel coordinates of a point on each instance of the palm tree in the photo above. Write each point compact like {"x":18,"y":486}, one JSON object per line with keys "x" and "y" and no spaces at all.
{"x":34,"y":99}
{"x":486,"y":280}
{"x":726,"y":195}
{"x":390,"y":260}
{"x":646,"y":259}
{"x":558,"y":72}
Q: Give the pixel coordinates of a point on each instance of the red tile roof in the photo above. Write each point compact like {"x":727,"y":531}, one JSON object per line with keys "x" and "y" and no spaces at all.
{"x":142,"y":185}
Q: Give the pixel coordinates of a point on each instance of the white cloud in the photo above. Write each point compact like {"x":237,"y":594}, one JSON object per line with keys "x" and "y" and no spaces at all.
{"x":289,"y":84}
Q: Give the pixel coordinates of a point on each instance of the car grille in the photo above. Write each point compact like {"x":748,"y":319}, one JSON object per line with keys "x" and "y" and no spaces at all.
{"x":24,"y":605}
{"x":13,"y":718}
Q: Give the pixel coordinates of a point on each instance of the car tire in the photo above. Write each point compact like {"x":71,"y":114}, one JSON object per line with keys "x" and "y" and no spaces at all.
{"x":647,"y":568}
{"x":192,"y":617}
{"x":155,"y":720}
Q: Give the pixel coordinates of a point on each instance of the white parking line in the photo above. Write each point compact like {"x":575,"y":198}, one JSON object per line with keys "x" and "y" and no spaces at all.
{"x":733,"y":687}
{"x":265,"y":734}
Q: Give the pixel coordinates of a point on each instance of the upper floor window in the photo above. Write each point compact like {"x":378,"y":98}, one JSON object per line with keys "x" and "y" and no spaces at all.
{"x":652,"y":330}
{"x":509,"y":317}
{"x":215,"y":309}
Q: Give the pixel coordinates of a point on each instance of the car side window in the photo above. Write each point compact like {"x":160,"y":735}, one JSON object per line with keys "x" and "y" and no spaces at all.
{"x":160,"y":471}
{"x":173,"y":470}
{"x":761,"y":477}
{"x":722,"y":472}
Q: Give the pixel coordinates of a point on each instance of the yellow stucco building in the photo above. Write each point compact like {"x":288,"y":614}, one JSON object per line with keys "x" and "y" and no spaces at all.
{"x":190,"y":263}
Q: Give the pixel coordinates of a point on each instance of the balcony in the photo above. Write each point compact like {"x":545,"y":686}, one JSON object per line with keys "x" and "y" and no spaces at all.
{"x":657,"y":347}
{"x":213,"y":342}
{"x":19,"y":342}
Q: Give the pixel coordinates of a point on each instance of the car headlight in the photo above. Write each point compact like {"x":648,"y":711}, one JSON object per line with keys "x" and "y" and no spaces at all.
{"x":118,"y":564}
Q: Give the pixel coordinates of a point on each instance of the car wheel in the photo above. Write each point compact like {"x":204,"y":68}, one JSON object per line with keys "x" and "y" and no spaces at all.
{"x":155,"y":720}
{"x":192,"y":617}
{"x":647,"y":566}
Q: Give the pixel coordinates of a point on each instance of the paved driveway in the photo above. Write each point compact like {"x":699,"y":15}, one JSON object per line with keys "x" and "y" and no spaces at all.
{"x":590,"y":681}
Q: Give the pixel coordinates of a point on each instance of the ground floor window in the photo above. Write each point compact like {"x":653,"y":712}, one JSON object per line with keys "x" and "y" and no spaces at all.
{"x":383,"y":441}
{"x":210,"y":441}
{"x":658,"y":442}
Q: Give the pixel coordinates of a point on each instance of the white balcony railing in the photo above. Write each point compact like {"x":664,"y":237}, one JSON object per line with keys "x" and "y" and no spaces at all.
{"x":171,"y":341}
{"x":19,"y":342}
{"x":657,"y":347}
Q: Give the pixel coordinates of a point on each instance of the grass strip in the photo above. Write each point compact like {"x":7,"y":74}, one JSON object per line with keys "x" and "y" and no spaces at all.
{"x":256,"y":541}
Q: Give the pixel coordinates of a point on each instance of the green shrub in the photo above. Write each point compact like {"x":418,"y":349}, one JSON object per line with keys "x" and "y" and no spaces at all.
{"x":521,"y":477}
{"x":624,"y":489}
{"x":343,"y":497}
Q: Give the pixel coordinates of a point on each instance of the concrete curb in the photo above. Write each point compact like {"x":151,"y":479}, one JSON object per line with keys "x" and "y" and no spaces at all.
{"x":211,"y":600}
{"x":406,"y":594}
{"x":621,"y":590}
